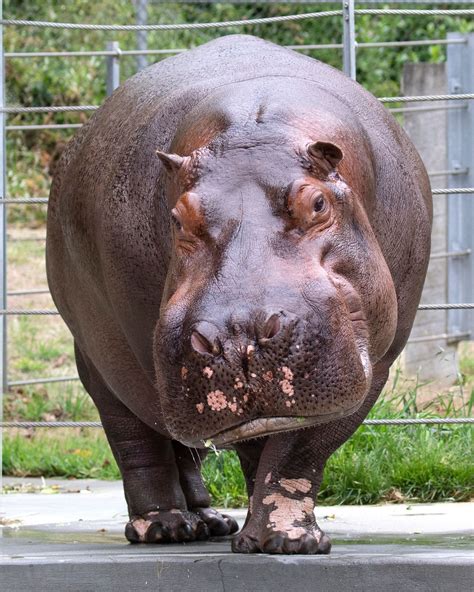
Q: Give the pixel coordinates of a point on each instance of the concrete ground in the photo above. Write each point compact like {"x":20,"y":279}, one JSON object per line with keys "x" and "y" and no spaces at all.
{"x":70,"y":537}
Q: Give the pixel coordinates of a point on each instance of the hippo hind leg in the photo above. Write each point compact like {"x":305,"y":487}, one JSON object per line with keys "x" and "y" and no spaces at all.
{"x":167,"y":501}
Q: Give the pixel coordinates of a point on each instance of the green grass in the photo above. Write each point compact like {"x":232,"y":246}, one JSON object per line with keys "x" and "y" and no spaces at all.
{"x":39,"y":345}
{"x":61,"y":402}
{"x":383,"y":463}
{"x":466,"y":368}
{"x":83,"y":454}
{"x":410,"y":463}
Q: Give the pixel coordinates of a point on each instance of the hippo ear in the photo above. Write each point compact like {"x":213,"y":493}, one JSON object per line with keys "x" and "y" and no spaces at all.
{"x":326,"y":155}
{"x":171,"y":162}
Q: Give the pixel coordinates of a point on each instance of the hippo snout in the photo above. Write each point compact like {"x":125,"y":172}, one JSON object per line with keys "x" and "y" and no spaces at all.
{"x":270,"y":372}
{"x":206,"y":339}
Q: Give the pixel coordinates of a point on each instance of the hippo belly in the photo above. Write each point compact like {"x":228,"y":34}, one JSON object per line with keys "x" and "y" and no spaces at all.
{"x":238,"y":247}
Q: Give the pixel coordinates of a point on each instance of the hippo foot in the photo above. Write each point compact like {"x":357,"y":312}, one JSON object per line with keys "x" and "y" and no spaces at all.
{"x":313,"y":542}
{"x":218,"y":524}
{"x":179,"y":526}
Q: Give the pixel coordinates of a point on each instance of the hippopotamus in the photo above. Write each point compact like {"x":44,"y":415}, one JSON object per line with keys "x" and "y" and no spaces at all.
{"x":237,"y":240}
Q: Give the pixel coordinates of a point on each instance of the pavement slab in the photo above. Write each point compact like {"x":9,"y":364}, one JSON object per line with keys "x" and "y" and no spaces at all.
{"x":70,"y":537}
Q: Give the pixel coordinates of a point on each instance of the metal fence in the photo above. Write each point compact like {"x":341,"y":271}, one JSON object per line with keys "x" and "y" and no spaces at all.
{"x":459,"y":100}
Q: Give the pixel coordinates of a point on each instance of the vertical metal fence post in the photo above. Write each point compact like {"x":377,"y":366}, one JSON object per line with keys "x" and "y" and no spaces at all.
{"x":460,"y":71}
{"x":349,"y":41}
{"x":113,"y":67}
{"x":142,"y":16}
{"x":3,"y":242}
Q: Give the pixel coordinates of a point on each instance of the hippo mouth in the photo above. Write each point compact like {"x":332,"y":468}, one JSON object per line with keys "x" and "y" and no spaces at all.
{"x":265,"y":426}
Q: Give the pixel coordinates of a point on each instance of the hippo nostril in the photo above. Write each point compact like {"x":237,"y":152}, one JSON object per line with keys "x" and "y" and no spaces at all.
{"x":200,"y":343}
{"x":270,"y":328}
{"x":204,"y":339}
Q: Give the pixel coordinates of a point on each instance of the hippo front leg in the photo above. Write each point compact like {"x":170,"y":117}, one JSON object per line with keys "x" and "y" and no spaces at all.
{"x":281,"y":515}
{"x":290,"y":470}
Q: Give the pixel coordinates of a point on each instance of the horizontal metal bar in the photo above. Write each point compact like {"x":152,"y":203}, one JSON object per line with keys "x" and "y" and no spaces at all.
{"x":459,"y":97}
{"x":448,"y":172}
{"x":28,"y":292}
{"x":420,"y":42}
{"x":439,"y":107}
{"x":24,"y":128}
{"x":44,"y":200}
{"x":450,"y":254}
{"x":25,"y":200}
{"x":315,"y":46}
{"x":43,"y":380}
{"x":104,"y":53}
{"x":420,"y":421}
{"x":415,"y":12}
{"x":32,"y":312}
{"x":444,"y":191}
{"x":371,"y":422}
{"x":49,"y":109}
{"x":79,"y":125}
{"x":450,"y":337}
{"x":379,"y":44}
{"x":173,"y":27}
{"x":12,"y":239}
{"x":136,"y":52}
{"x":452,"y":191}
{"x":445,"y":306}
{"x":72,"y":108}
{"x":50,"y":424}
{"x":29,"y":197}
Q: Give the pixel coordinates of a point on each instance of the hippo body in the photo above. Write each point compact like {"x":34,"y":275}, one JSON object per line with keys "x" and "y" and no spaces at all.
{"x":237,"y":240}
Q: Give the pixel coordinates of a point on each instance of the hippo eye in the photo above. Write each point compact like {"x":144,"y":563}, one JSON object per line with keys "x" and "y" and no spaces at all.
{"x":175,"y":220}
{"x":319,"y":204}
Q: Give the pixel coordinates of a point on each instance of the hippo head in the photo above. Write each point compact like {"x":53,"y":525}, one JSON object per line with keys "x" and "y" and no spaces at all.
{"x":278,"y":299}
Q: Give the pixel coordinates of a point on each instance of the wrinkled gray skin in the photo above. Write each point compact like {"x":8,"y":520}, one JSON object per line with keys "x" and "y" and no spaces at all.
{"x":256,"y":277}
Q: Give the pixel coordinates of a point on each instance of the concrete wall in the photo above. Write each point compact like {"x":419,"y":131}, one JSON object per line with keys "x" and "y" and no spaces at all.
{"x":433,"y":359}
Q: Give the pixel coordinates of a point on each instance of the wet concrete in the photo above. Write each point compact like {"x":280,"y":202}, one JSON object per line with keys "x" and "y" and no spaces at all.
{"x":74,"y":542}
